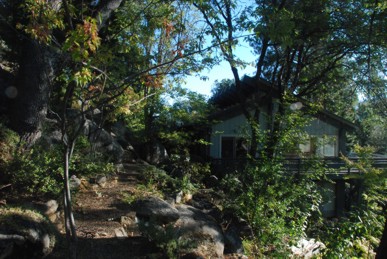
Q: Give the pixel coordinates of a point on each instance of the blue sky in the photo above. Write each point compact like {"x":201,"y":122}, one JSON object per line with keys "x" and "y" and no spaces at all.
{"x":221,"y":71}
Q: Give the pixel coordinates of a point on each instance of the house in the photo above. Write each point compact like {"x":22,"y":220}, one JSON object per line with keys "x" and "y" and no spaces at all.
{"x":326,"y":139}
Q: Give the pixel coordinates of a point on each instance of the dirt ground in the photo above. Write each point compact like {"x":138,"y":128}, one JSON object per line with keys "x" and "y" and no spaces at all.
{"x":99,"y":212}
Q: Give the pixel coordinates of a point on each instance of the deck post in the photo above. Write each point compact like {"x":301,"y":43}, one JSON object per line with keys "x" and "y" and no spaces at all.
{"x":340,"y":197}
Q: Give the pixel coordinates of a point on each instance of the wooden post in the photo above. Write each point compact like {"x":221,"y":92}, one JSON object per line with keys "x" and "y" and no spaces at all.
{"x":340,"y":197}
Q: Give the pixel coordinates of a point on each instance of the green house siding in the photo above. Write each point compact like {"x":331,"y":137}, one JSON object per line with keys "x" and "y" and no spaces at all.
{"x":237,"y":127}
{"x":234,"y":127}
{"x":318,"y":127}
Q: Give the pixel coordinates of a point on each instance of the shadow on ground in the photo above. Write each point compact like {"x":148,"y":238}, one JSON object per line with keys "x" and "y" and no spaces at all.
{"x":109,"y":248}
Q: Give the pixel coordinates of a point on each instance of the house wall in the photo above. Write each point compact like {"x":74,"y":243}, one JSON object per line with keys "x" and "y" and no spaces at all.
{"x":318,"y":127}
{"x":237,"y":126}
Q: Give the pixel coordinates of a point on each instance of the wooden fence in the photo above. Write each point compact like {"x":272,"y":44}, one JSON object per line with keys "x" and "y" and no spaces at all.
{"x":335,"y":166}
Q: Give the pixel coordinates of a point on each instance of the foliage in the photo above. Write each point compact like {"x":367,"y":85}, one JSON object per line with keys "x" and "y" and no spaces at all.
{"x":19,"y":220}
{"x":40,"y":170}
{"x":280,"y":204}
{"x":166,"y":238}
{"x":86,"y":161}
{"x":155,"y":182}
{"x":8,"y":145}
{"x":357,"y":235}
{"x":373,"y":126}
{"x":37,"y":172}
{"x":160,"y":183}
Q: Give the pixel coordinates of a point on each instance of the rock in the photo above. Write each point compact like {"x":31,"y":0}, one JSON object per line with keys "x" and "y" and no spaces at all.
{"x":126,"y":221}
{"x":233,"y":242}
{"x":102,"y":140}
{"x":120,"y":168}
{"x":52,"y":138}
{"x":235,"y":256}
{"x":52,"y":206}
{"x":102,"y":234}
{"x":155,"y":209}
{"x":74,"y":182}
{"x":179,"y":197}
{"x":211,"y":181}
{"x":101,"y":180}
{"x":120,"y":233}
{"x":201,"y":230}
{"x":156,"y":153}
{"x":53,"y":217}
{"x":307,"y":248}
{"x":25,"y":234}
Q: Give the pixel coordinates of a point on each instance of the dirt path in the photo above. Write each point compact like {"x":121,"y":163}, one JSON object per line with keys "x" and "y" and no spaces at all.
{"x":101,"y":214}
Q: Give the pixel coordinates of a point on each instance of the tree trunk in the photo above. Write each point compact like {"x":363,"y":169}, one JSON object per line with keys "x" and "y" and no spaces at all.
{"x":29,"y":107}
{"x":71,"y":234}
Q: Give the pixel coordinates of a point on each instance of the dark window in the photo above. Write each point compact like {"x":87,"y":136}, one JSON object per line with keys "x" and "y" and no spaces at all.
{"x":233,"y":147}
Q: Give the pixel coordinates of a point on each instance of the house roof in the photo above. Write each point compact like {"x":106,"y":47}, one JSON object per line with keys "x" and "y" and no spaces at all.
{"x":227,"y":101}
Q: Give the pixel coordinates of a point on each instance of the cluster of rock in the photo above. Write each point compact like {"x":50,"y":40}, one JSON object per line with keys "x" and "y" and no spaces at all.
{"x":199,"y":234}
{"x":26,"y":233}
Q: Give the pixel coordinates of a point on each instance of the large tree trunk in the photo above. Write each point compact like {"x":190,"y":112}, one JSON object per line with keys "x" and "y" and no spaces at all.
{"x":29,"y":107}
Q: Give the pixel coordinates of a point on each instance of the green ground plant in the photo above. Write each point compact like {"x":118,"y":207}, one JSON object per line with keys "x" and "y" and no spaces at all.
{"x":357,"y":234}
{"x":166,"y":238}
{"x":8,"y":145}
{"x":39,"y":171}
{"x":279,"y":203}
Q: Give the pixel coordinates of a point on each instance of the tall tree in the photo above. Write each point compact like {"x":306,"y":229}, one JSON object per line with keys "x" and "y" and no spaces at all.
{"x":300,"y":45}
{"x":35,"y":32}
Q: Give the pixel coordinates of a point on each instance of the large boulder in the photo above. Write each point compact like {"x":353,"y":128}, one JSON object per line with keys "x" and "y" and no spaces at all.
{"x":198,"y":234}
{"x":156,"y":153}
{"x":102,"y":140}
{"x":155,"y":210}
{"x":25,"y":234}
{"x":201,"y":231}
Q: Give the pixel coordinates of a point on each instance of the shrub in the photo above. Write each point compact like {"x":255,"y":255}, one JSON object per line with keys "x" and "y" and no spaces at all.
{"x":356,"y":236}
{"x":37,"y":172}
{"x":8,"y":144}
{"x":278,"y":205}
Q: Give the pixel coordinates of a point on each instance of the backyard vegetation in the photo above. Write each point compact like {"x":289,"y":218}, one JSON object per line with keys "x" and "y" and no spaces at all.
{"x":89,"y":89}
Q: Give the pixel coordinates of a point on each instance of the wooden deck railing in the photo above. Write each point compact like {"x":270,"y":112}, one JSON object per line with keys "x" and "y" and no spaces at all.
{"x":298,"y":165}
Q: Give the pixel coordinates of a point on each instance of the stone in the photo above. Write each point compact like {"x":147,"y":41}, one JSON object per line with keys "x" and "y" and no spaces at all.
{"x":119,"y":168}
{"x":307,"y":248}
{"x":102,"y":140}
{"x":74,"y":182}
{"x":25,"y":234}
{"x":233,"y":242}
{"x":179,"y":197}
{"x":101,"y":180}
{"x":155,"y":209}
{"x":126,"y":221}
{"x":51,"y":207}
{"x":211,"y":181}
{"x":120,"y":233}
{"x":157,"y":153}
{"x":201,"y":230}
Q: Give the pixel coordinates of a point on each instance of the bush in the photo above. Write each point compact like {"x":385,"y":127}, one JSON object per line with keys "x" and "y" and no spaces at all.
{"x":8,"y":144}
{"x":278,"y":205}
{"x":357,"y":235}
{"x":38,"y":172}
